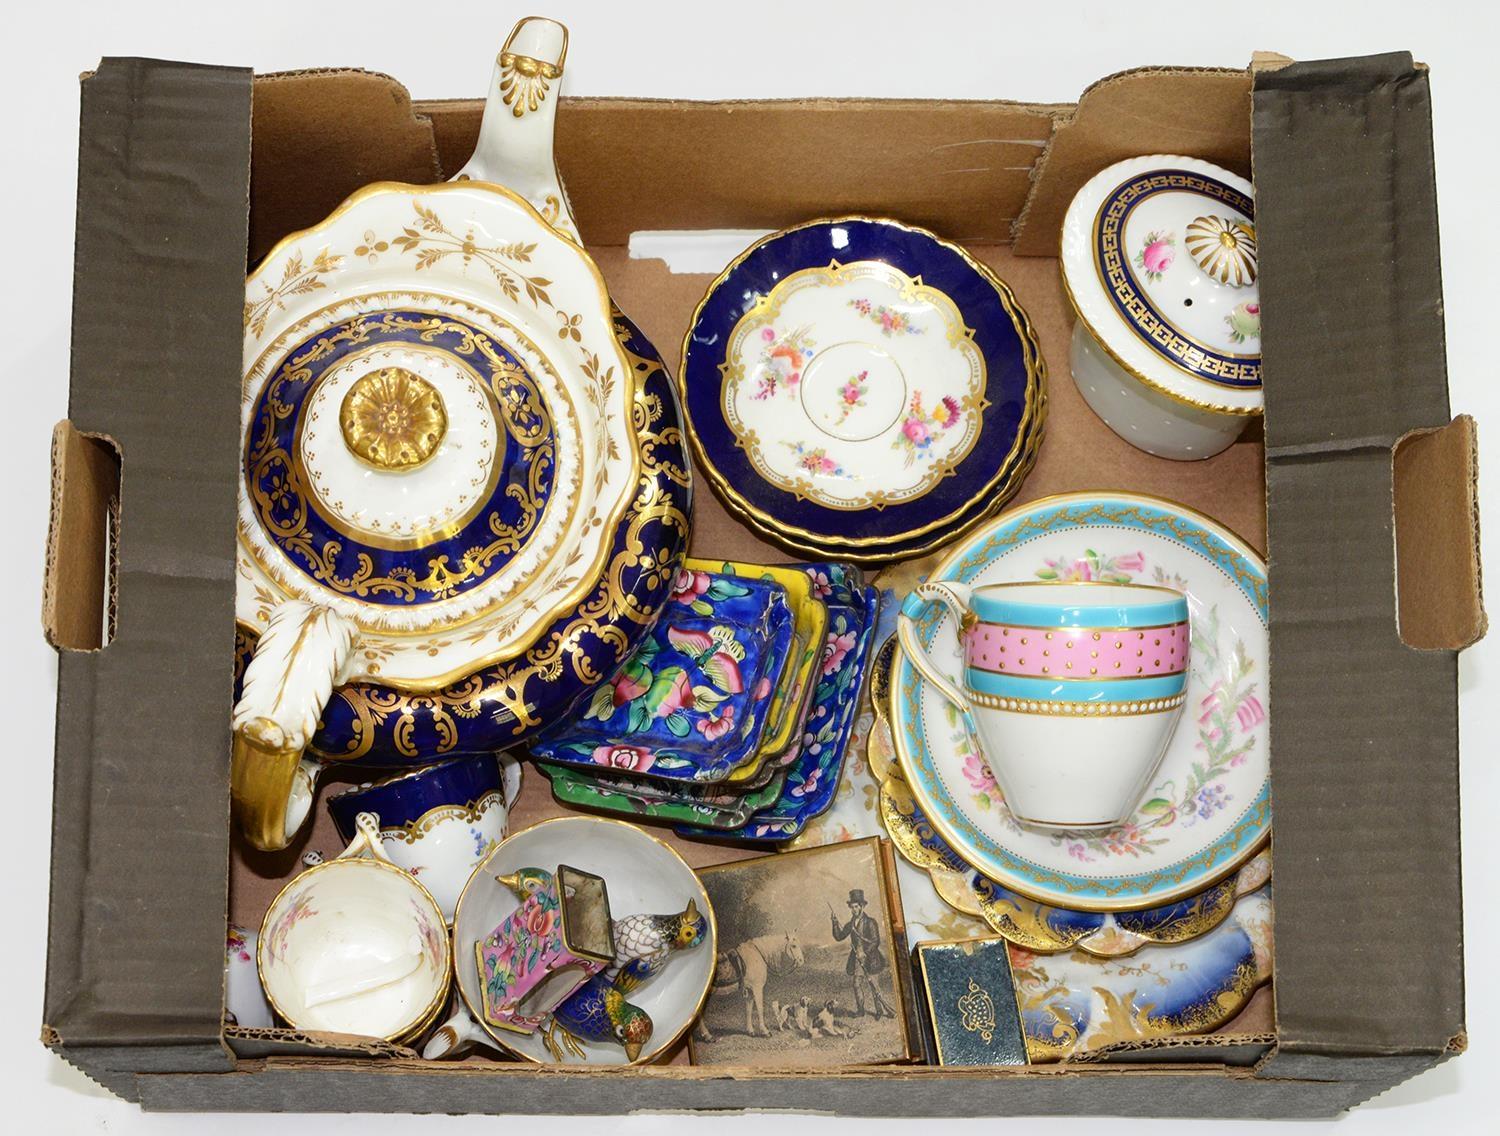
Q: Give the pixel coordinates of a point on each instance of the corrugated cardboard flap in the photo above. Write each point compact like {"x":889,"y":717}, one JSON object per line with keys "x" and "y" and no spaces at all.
{"x":140,"y":830}
{"x":1364,"y":736}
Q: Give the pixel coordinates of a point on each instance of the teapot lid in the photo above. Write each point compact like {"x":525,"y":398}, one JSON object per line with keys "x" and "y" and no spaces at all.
{"x":1159,"y":258}
{"x":406,"y":456}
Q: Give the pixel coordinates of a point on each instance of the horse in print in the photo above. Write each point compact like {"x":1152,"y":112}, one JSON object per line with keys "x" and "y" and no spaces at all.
{"x":747,"y":967}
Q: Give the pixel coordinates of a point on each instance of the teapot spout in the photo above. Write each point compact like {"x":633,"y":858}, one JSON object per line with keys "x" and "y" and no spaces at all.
{"x":520,"y":113}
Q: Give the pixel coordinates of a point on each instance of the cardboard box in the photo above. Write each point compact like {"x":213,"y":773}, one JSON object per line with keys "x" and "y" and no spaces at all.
{"x":1360,"y":488}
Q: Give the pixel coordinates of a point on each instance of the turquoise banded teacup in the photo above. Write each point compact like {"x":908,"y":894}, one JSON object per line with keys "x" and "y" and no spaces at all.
{"x":1073,"y":689}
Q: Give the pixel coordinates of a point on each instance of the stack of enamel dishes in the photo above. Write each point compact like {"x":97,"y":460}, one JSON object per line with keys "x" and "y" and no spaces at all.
{"x":1159,"y":259}
{"x":732,"y":719}
{"x":861,"y":390}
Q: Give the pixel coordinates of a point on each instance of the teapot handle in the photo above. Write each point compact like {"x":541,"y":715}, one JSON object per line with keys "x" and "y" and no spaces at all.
{"x":520,"y":112}
{"x":286,"y":686}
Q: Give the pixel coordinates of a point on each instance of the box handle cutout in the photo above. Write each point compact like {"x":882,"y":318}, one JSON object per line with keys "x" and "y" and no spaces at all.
{"x":1439,"y":596}
{"x":78,"y":588}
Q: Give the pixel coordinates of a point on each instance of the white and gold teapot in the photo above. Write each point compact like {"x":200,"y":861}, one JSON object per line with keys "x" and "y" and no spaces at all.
{"x":460,"y":503}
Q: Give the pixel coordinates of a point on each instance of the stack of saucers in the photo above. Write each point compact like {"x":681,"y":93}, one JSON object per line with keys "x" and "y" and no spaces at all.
{"x":1156,"y":927}
{"x":731,"y":720}
{"x":861,"y":389}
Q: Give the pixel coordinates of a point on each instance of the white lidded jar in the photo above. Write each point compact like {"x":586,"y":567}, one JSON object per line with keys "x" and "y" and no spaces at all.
{"x":1159,"y":261}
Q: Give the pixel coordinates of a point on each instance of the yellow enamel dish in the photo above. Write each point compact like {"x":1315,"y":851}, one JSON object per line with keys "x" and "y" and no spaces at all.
{"x":789,"y":700}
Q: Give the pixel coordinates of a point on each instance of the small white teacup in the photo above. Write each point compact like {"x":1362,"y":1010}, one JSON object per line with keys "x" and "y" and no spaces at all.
{"x":356,"y":945}
{"x":1073,"y":689}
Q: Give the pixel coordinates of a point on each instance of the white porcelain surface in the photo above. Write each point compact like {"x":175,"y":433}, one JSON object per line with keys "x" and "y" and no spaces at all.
{"x":443,"y":848}
{"x":854,"y":386}
{"x":642,"y":874}
{"x":1174,"y":323}
{"x":1146,"y":418}
{"x":244,"y":999}
{"x":582,"y":382}
{"x":382,"y":508}
{"x":355,"y":945}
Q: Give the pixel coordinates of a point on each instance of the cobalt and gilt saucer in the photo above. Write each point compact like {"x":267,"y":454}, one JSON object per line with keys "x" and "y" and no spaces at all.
{"x":854,"y":386}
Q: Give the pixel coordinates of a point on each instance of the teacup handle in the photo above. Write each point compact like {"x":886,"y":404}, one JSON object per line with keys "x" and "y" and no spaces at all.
{"x":455,"y":1037}
{"x":955,"y":597}
{"x":366,"y":840}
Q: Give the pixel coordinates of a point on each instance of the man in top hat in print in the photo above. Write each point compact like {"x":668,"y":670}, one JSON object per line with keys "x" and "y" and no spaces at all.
{"x":865,"y":959}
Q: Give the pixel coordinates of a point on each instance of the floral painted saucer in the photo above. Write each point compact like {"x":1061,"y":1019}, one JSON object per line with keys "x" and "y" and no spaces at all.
{"x":691,"y":703}
{"x":1040,"y":927}
{"x":1037,"y":927}
{"x":1208,"y":809}
{"x":854,"y":385}
{"x":813,"y":778}
{"x":1077,"y":1003}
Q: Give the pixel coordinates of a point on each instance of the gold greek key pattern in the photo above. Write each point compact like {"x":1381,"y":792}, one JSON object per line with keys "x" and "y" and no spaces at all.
{"x":1214,"y":367}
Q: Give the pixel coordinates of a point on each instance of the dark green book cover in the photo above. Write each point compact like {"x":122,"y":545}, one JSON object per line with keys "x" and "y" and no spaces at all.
{"x":968,"y":1002}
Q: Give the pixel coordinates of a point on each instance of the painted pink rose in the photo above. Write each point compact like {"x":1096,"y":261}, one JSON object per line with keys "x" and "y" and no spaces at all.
{"x":1158,"y":255}
{"x":1252,"y":309}
{"x":916,"y":431}
{"x":1250,"y":714}
{"x":679,"y":696}
{"x":835,"y":650}
{"x":540,"y":922}
{"x":623,"y":757}
{"x":1130,"y":562}
{"x":978,"y":774}
{"x":717,"y":725}
{"x":768,"y":334}
{"x":689,"y":585}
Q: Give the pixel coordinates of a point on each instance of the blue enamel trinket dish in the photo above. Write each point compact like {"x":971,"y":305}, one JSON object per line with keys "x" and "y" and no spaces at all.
{"x":691,"y":703}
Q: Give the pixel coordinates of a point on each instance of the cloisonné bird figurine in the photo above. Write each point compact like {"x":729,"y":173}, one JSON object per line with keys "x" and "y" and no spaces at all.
{"x":598,"y":1011}
{"x":525,"y":881}
{"x":652,"y":939}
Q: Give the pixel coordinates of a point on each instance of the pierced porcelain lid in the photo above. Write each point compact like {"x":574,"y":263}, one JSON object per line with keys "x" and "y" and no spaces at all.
{"x":1159,"y":257}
